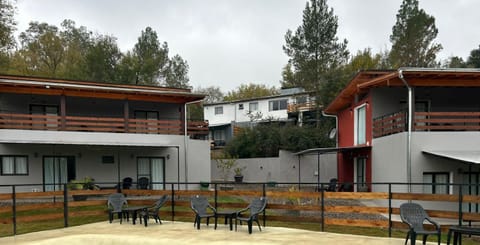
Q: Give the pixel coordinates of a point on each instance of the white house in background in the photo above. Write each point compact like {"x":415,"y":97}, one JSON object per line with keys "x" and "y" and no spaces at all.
{"x":53,"y":131}
{"x":292,"y":104}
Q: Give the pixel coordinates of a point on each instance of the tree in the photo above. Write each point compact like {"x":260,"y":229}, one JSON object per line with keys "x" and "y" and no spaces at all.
{"x":43,"y":49}
{"x":314,"y":48}
{"x":249,"y":91}
{"x":214,"y":94}
{"x":150,"y":57}
{"x":176,"y":73}
{"x":473,"y":60}
{"x":455,"y":62}
{"x":412,"y":37}
{"x":77,"y":41}
{"x":102,"y":59}
{"x":7,"y":25}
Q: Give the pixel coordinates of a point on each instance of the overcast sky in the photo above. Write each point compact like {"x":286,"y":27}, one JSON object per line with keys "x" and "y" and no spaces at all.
{"x":230,"y":42}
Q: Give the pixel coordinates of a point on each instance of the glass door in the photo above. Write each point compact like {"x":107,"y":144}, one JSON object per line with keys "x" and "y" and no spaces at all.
{"x":152,"y":168}
{"x":57,"y":170}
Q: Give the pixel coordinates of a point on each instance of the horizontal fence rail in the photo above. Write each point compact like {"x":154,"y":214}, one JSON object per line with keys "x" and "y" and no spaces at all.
{"x":287,"y":202}
{"x":101,"y":124}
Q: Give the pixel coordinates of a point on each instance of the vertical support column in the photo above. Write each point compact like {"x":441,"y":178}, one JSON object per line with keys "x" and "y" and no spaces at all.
{"x":264,"y":193}
{"x":460,"y":203}
{"x":63,"y":112}
{"x":14,"y":210}
{"x":126,"y":115}
{"x":389,"y":210}
{"x":173,"y":202}
{"x":65,"y":205}
{"x":216,"y":197}
{"x":183,"y":119}
{"x":323,"y":208}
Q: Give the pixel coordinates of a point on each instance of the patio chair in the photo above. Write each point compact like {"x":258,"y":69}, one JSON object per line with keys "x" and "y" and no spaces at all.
{"x":414,"y":216}
{"x":332,"y":185}
{"x":127,"y":183}
{"x":202,"y":209}
{"x":115,"y":204}
{"x":143,"y":183}
{"x":153,"y":211}
{"x":256,"y":207}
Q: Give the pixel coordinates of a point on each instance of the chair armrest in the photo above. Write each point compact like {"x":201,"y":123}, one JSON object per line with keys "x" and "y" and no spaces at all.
{"x":436,"y":224}
{"x":241,"y":211}
{"x":212,"y":208}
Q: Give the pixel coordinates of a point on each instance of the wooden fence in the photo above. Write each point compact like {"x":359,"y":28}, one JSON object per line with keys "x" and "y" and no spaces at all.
{"x":286,"y":203}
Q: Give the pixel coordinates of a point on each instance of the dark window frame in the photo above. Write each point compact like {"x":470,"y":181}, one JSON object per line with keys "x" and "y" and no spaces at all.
{"x":434,"y":184}
{"x":14,"y":165}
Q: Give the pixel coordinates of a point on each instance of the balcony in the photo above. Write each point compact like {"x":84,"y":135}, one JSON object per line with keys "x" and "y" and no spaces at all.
{"x":298,"y":107}
{"x":195,"y":129}
{"x":426,"y":121}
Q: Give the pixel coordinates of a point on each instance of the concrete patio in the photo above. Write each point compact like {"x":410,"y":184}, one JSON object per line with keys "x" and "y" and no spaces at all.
{"x":185,"y":233}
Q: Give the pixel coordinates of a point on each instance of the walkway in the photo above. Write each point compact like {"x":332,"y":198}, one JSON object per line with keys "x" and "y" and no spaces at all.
{"x":185,"y":233}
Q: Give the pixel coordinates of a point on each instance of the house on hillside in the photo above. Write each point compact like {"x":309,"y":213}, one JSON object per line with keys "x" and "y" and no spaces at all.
{"x":225,"y":118}
{"x":53,"y":131}
{"x":410,"y":126}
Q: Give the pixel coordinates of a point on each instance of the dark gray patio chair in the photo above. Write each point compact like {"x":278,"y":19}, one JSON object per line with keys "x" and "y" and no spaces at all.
{"x":414,"y":216}
{"x":116,"y":202}
{"x":143,"y":183}
{"x":153,"y":211}
{"x":256,"y":207}
{"x":202,"y":209}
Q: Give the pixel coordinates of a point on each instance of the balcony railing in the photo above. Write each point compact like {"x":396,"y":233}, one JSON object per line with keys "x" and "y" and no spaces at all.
{"x":427,"y":121}
{"x":296,"y":107}
{"x":101,"y":124}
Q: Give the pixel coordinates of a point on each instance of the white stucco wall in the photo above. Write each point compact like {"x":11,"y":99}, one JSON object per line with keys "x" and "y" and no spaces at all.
{"x":284,"y":168}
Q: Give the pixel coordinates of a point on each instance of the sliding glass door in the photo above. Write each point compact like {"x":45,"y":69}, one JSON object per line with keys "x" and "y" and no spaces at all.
{"x":57,"y":170}
{"x":152,"y":168}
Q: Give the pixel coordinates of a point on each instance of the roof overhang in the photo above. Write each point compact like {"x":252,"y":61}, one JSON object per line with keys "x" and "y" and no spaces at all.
{"x":416,"y":77}
{"x":319,"y":151}
{"x":45,"y":86}
{"x":470,"y":157}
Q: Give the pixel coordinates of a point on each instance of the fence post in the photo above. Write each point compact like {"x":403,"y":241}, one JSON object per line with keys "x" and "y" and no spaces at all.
{"x":389,"y":210}
{"x":14,"y":210}
{"x":460,"y":203}
{"x":323,"y":208}
{"x":65,"y":206}
{"x":264,"y":193}
{"x":173,"y":202}
{"x":216,"y":196}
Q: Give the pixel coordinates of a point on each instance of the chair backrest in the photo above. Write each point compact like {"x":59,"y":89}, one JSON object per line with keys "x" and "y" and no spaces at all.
{"x":332,"y":186}
{"x":127,"y":183}
{"x":257,"y":205}
{"x":116,"y":201}
{"x":143,"y":183}
{"x":158,"y":204}
{"x":199,"y":204}
{"x":414,"y":214}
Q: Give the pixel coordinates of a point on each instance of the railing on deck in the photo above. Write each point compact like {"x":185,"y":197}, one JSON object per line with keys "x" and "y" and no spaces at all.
{"x":296,"y":107}
{"x":287,"y":202}
{"x":427,"y":121}
{"x":101,"y":124}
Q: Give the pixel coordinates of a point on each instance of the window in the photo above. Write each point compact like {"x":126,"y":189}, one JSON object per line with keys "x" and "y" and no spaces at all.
{"x":361,"y":171}
{"x":276,"y":105}
{"x":360,"y":127}
{"x":436,"y":183}
{"x":14,"y":165}
{"x":253,"y":106}
{"x":240,"y":106}
{"x":218,"y":110}
{"x":152,"y":168}
{"x":50,"y":121}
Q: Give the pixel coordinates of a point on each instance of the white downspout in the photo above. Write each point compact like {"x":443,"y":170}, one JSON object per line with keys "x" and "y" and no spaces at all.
{"x":409,"y":128}
{"x":185,"y":140}
{"x":336,"y":126}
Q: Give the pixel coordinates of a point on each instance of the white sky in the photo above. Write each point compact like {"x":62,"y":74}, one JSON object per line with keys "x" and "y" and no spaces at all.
{"x":230,"y":42}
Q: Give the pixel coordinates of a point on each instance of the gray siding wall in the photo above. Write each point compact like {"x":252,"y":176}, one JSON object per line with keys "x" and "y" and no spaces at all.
{"x":284,"y":168}
{"x":389,"y":156}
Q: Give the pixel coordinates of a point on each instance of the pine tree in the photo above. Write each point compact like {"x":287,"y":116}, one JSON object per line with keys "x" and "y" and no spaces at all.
{"x":412,"y":37}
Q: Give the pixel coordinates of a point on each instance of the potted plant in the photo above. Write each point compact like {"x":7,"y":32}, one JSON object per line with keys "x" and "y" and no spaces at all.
{"x":86,"y":183}
{"x":239,"y":174}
